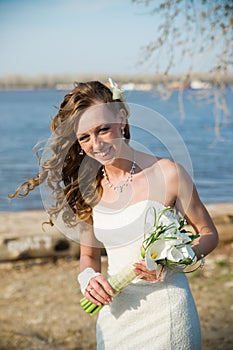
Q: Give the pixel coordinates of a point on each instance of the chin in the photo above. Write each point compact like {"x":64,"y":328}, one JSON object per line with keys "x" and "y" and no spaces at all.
{"x":110,"y":159}
{"x":107,"y":161}
{"x":110,"y":162}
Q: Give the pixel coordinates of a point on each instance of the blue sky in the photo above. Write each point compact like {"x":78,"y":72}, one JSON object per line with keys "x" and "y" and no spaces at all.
{"x":74,"y":36}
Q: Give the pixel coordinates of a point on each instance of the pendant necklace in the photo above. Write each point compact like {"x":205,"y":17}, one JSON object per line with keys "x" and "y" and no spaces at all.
{"x":119,"y":188}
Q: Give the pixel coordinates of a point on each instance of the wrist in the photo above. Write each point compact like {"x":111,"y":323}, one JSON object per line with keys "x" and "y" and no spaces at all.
{"x":85,"y":276}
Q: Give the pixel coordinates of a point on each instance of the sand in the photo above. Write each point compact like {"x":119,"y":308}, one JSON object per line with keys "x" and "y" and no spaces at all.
{"x":39,"y":297}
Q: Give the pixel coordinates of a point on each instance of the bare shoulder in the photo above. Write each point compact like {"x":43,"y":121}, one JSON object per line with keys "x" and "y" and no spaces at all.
{"x":169,"y":168}
{"x":176,"y":178}
{"x":167,"y":164}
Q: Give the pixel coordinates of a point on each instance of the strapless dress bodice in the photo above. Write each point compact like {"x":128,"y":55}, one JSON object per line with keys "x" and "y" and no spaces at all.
{"x":122,"y":230}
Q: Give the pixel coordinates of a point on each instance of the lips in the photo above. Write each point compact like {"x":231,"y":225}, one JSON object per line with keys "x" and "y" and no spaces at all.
{"x":103,"y":154}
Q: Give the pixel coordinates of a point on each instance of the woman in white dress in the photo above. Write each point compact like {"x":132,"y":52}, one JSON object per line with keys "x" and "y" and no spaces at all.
{"x":109,"y":186}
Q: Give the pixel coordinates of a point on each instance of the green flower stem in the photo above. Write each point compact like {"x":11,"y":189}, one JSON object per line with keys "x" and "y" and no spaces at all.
{"x":84,"y":302}
{"x":94,"y":312}
{"x":91,"y":308}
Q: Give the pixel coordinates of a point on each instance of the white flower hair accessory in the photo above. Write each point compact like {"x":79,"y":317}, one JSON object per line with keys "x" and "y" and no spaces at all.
{"x":117,"y":93}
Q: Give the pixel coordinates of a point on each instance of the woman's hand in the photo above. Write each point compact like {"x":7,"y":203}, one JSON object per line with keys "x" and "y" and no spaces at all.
{"x":148,"y":275}
{"x":99,"y":291}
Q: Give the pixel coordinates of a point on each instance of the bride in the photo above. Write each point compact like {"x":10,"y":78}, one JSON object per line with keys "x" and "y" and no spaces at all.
{"x":109,"y":186}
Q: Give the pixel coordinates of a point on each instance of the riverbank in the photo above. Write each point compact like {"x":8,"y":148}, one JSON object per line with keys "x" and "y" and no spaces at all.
{"x":39,"y":297}
{"x":23,"y":236}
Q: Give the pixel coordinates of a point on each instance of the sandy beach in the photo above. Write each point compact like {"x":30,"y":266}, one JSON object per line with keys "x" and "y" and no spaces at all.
{"x":39,"y":295}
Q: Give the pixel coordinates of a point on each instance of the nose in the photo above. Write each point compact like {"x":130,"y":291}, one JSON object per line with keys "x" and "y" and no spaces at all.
{"x":97,"y":143}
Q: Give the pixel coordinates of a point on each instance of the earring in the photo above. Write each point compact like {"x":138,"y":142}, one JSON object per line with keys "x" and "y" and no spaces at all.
{"x":123,"y":133}
{"x":81,"y":152}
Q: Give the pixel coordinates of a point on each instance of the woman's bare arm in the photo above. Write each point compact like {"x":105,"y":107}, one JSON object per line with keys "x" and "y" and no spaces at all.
{"x":190,"y":205}
{"x":98,"y":290}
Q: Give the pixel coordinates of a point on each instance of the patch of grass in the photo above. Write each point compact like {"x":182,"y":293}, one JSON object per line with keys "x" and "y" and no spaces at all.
{"x":222,"y":263}
{"x":195,"y":274}
{"x":219,"y":279}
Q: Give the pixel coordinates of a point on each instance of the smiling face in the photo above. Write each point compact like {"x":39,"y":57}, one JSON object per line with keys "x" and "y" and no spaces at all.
{"x":99,"y":132}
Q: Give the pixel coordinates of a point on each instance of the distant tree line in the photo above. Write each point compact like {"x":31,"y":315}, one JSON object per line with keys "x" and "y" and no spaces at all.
{"x":19,"y":82}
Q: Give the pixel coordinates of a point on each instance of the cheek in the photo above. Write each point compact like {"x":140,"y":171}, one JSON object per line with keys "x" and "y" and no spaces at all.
{"x":115,"y":134}
{"x":85,"y":146}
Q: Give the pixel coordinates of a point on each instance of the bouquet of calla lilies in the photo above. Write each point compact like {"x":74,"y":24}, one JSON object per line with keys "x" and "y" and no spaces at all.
{"x":166,"y":243}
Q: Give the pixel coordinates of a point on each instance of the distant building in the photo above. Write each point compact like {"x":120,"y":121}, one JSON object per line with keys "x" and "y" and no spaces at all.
{"x":198,"y":84}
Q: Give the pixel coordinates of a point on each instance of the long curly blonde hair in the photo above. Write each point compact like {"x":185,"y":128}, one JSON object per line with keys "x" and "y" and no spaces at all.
{"x":73,"y":179}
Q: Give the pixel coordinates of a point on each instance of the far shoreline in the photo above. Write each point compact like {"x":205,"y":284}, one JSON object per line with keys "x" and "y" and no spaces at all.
{"x":66,"y":81}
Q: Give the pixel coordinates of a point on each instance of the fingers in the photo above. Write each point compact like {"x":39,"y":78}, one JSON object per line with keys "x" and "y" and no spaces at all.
{"x":141,"y":269}
{"x":99,"y":291}
{"x":148,"y":275}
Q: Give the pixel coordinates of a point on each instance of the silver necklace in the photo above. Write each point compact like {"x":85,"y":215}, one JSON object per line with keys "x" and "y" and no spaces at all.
{"x":119,"y":188}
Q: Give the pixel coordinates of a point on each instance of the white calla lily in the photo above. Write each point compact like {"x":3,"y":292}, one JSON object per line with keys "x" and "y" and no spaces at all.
{"x":169,"y":217}
{"x":168,"y":249}
{"x":188,"y":253}
{"x":166,"y":242}
{"x":174,"y":255}
{"x":177,"y":235}
{"x":157,"y":251}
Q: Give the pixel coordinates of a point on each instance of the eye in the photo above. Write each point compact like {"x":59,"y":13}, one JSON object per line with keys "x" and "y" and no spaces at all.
{"x":83,"y":138}
{"x":104,"y":129}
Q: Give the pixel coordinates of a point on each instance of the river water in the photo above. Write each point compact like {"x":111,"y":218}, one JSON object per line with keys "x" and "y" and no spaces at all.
{"x":25,"y":117}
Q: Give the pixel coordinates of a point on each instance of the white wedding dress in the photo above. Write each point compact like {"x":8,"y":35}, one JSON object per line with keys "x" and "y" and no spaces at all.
{"x":145,"y":315}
